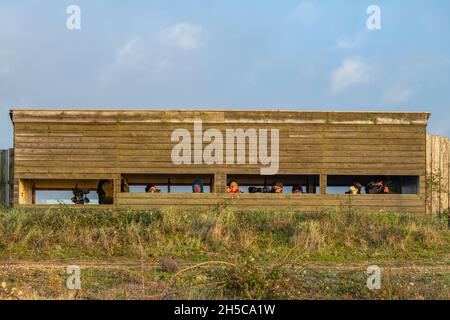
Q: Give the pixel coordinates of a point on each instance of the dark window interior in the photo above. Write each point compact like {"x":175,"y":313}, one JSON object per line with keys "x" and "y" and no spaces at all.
{"x":168,"y":183}
{"x":71,"y":192}
{"x":308,"y":183}
{"x":340,"y":184}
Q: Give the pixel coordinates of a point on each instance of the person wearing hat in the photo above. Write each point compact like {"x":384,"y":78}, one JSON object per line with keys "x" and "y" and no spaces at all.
{"x":197,"y":186}
{"x":297,"y":188}
{"x":277,"y":187}
{"x":79,"y":196}
{"x":105,"y":191}
{"x":152,"y":188}
{"x":233,"y":187}
{"x":355,"y":188}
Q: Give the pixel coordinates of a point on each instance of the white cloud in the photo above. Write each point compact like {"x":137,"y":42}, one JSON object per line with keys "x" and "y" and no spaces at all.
{"x":185,"y":36}
{"x":131,"y":53}
{"x":397,"y":94}
{"x":345,"y":43}
{"x":351,"y":72}
{"x":138,"y":58}
{"x":130,"y":57}
{"x":305,"y":13}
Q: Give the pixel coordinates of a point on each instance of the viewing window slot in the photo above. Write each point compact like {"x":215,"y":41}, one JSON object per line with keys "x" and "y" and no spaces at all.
{"x":167,"y":183}
{"x":249,"y":183}
{"x":68,"y":192}
{"x":341,"y":184}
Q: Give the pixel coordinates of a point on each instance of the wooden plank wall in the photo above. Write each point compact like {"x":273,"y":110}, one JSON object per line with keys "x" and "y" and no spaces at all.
{"x":302,"y":202}
{"x":105,"y":144}
{"x":438,"y":174}
{"x":310,"y":143}
{"x":6,"y":177}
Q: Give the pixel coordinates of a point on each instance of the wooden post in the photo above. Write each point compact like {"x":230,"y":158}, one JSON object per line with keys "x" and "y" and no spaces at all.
{"x":323,"y":184}
{"x":24,"y":192}
{"x":438,"y":175}
{"x":444,"y":174}
{"x":11,"y":177}
{"x":435,"y":181}
{"x":2,"y":175}
{"x":310,"y":185}
{"x":220,"y":182}
{"x":117,"y":188}
{"x":4,"y":178}
{"x":428,"y":189}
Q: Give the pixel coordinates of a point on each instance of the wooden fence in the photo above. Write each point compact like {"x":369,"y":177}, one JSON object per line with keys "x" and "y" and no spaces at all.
{"x":438,"y":174}
{"x":6,"y":177}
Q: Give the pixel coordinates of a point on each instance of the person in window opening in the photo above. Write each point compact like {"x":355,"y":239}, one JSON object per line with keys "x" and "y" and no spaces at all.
{"x":233,"y":187}
{"x":297,"y":188}
{"x":355,"y":188}
{"x":377,"y":187}
{"x":389,"y":186}
{"x":386,"y":187}
{"x":197,"y":186}
{"x":100,"y":192}
{"x":125,"y":187}
{"x":151,"y":188}
{"x":105,"y":191}
{"x":79,"y":196}
{"x":277,"y":187}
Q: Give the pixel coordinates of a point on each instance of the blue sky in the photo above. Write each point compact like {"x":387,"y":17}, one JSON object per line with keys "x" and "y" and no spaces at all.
{"x":305,"y":55}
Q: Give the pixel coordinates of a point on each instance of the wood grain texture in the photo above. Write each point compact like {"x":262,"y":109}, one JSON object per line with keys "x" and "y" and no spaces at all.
{"x":438,"y":179}
{"x":218,"y":116}
{"x":103,"y":144}
{"x":444,"y":161}
{"x":306,"y":202}
{"x":6,"y":177}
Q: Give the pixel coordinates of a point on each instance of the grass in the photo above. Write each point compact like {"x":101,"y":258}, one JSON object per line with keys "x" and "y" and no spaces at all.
{"x":222,"y":253}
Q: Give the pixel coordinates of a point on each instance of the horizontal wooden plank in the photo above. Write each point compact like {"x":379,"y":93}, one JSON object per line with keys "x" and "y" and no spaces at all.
{"x":149,"y":149}
{"x":411,"y":210}
{"x":284,"y":133}
{"x":373,"y":197}
{"x":145,"y":126}
{"x":68,"y":175}
{"x":375,"y":145}
{"x":107,"y":174}
{"x":61,"y":166}
{"x":65,"y":184}
{"x":87,"y":160}
{"x":165,"y":140}
{"x":45,"y":174}
{"x":240,"y":208}
{"x":389,"y":202}
{"x":244,"y":116}
{"x":55,"y":206}
{"x":278,"y":203}
{"x":108,"y":153}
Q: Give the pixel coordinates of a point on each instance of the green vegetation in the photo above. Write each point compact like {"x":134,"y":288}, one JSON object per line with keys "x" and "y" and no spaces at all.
{"x":222,"y":253}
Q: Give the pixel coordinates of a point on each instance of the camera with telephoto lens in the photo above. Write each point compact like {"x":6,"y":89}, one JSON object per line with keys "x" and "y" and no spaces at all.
{"x":258,"y":190}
